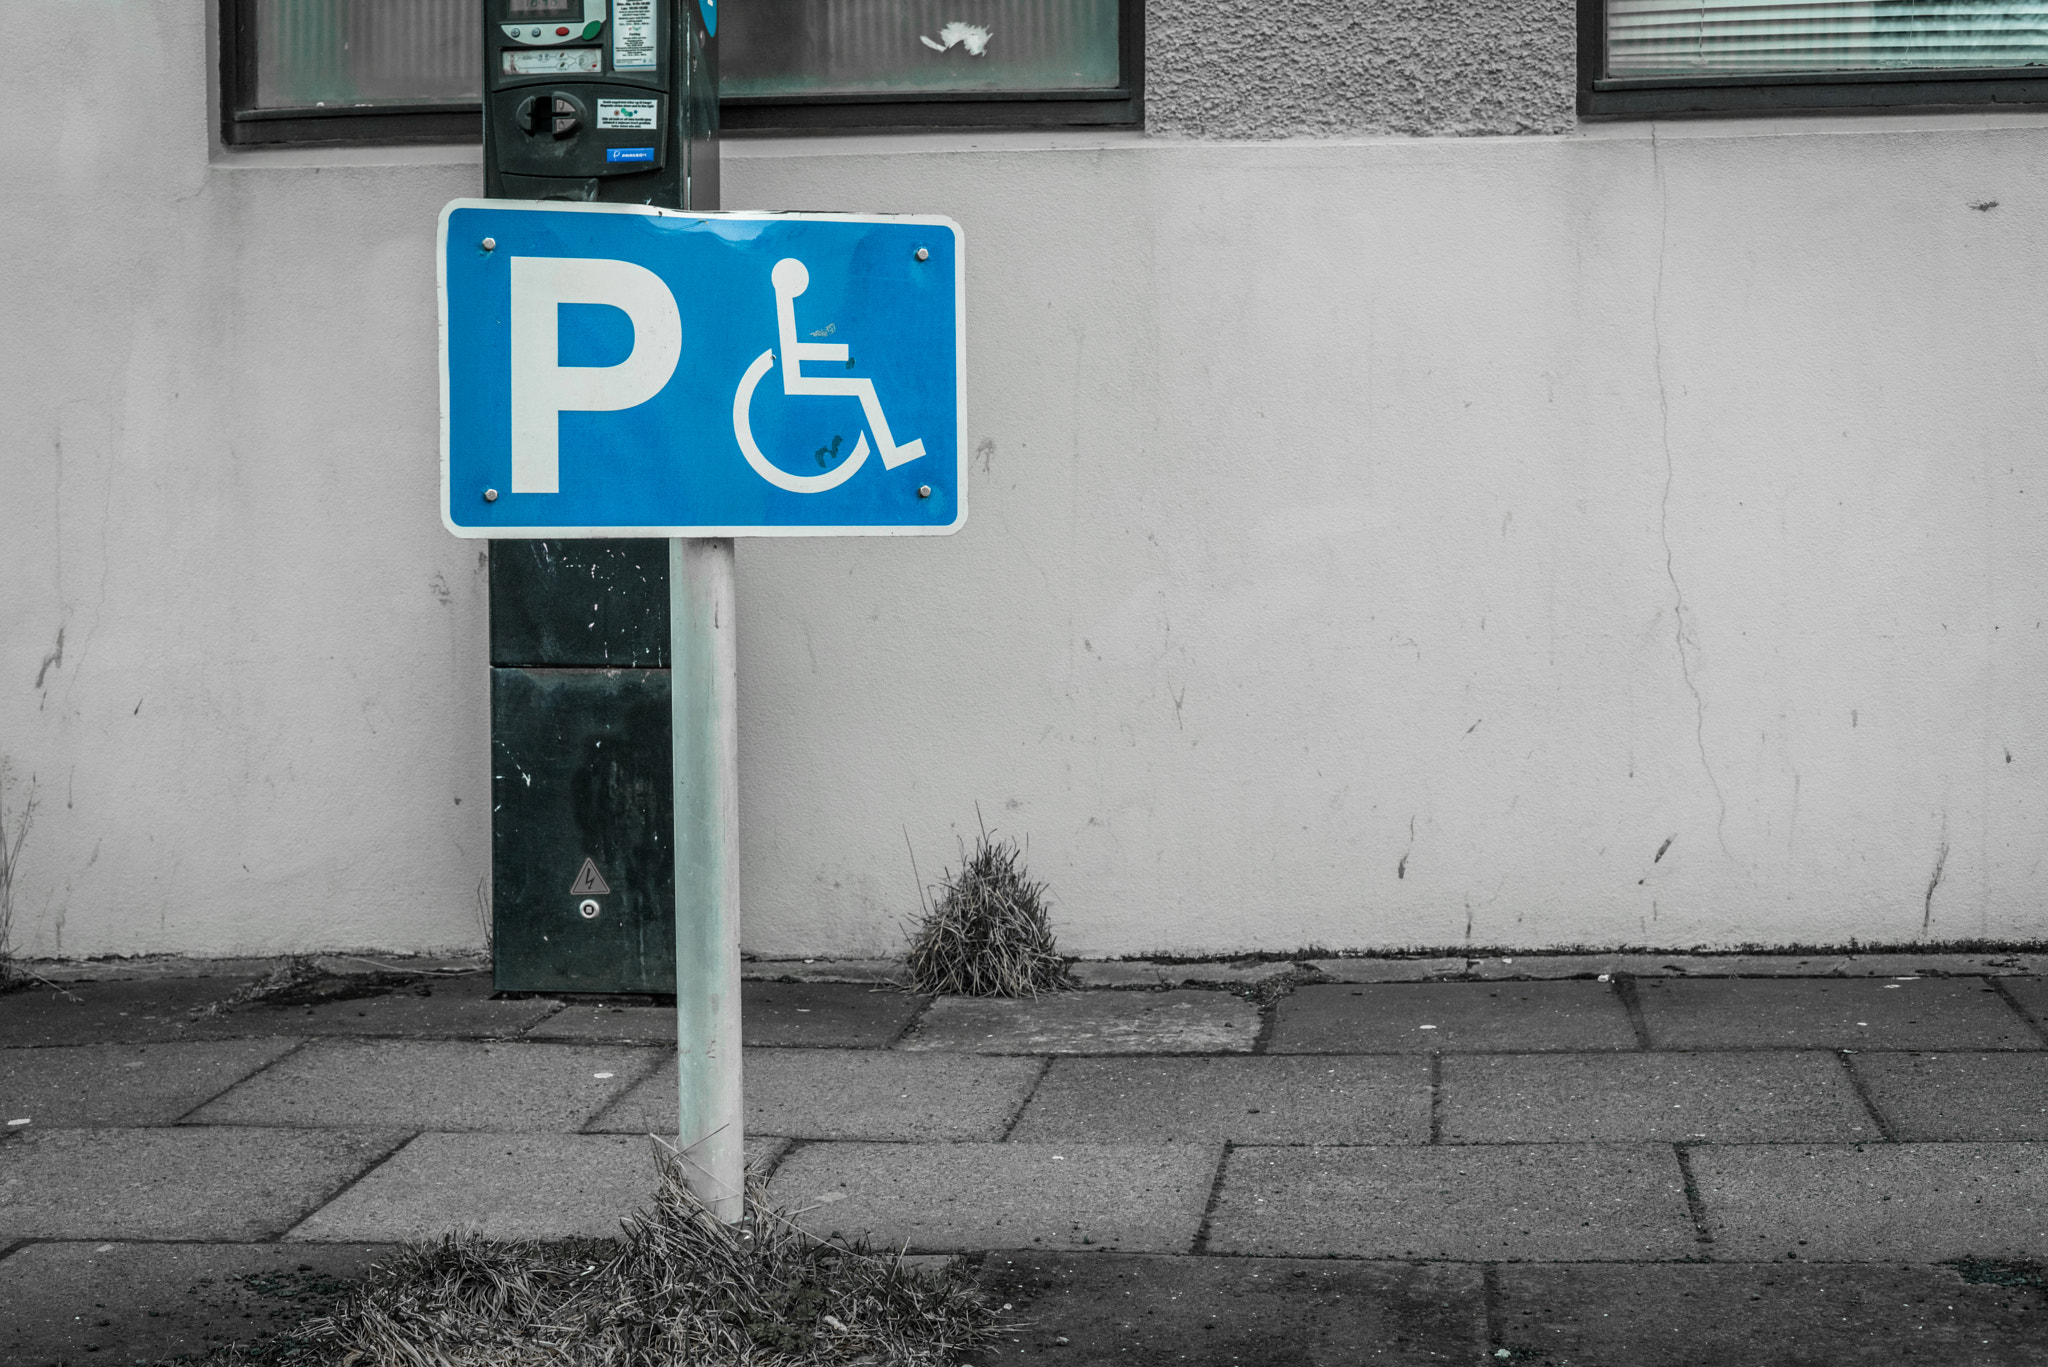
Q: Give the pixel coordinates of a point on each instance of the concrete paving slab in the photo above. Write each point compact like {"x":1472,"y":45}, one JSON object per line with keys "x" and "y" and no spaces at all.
{"x":1094,"y":1309}
{"x":1265,"y":1100}
{"x":1536,"y":1201}
{"x":435,"y":1085}
{"x":964,"y":1197}
{"x":2032,"y":995}
{"x":449,"y":965}
{"x":1389,"y":970}
{"x":121,"y":1012}
{"x":1875,"y":1202}
{"x":504,"y":1186}
{"x":1959,"y":1096}
{"x":1674,"y":1098}
{"x":241,"y":970}
{"x":182,"y":1183}
{"x":129,"y":1302}
{"x":654,"y":1025}
{"x":1542,"y":967}
{"x":456,"y":1006}
{"x":1943,"y":965}
{"x":1465,"y":1017}
{"x":824,"y":1015}
{"x":1842,"y":1013}
{"x":1546,"y":967}
{"x":1183,"y":1022}
{"x":1732,"y":965}
{"x":890,"y":972}
{"x":1149,"y":973}
{"x":125,"y":1084}
{"x":1644,"y":965}
{"x":1759,"y":1315}
{"x":851,"y":1094}
{"x":1740,"y":965}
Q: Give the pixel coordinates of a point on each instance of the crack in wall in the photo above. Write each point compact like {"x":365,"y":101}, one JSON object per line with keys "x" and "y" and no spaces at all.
{"x":53,"y":660}
{"x":1681,"y":633}
{"x":1934,"y":879}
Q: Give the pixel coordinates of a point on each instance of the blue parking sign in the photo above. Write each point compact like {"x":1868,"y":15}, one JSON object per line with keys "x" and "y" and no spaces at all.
{"x":622,"y":370}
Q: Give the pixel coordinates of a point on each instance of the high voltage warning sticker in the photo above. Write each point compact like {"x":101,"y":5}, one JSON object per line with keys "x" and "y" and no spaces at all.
{"x":588,"y":881}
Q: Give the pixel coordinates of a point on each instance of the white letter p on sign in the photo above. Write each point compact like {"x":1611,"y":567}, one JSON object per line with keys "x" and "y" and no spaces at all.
{"x":543,"y":388}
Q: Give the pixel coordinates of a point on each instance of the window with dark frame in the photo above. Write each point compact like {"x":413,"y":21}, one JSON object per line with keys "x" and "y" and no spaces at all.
{"x":383,"y":71}
{"x":1651,"y":58}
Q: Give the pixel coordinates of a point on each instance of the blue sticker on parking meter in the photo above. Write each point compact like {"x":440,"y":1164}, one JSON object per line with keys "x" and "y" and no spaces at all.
{"x":619,"y":370}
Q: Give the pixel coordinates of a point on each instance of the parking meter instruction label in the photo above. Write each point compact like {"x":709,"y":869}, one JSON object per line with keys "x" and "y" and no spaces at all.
{"x":633,"y":36}
{"x":627,"y":114}
{"x":549,"y":61}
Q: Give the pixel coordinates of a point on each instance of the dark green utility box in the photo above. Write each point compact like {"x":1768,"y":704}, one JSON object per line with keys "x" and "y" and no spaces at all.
{"x":582,"y":826}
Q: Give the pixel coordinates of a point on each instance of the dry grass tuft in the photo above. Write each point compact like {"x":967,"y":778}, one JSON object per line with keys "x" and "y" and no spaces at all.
{"x":986,"y":933}
{"x":680,"y":1288}
{"x":294,"y":974}
{"x":303,"y":980}
{"x":13,"y":831}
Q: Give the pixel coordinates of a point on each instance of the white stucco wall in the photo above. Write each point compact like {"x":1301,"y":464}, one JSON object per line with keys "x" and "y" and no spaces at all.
{"x":1373,"y":543}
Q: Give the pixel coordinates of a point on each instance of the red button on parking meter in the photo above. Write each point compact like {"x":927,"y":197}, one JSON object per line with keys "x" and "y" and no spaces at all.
{"x":561,"y":33}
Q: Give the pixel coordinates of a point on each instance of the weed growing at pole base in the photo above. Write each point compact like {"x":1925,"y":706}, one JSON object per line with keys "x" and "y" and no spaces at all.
{"x":986,"y":933}
{"x":681,"y":1287}
{"x":13,"y":831}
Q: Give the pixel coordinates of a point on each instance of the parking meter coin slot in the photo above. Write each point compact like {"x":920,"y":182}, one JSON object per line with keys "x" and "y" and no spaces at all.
{"x":578,"y":131}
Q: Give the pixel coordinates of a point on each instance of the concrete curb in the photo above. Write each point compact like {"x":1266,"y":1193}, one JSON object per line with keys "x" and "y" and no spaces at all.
{"x":1158,"y":973}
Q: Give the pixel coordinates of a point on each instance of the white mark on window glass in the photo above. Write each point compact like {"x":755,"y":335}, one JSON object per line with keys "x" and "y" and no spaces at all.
{"x":973,"y":37}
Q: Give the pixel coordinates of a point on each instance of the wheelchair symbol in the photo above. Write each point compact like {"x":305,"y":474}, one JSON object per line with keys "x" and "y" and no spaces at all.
{"x":791,"y":278}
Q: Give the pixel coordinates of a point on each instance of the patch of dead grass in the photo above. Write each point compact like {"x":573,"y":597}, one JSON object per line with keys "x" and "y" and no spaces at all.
{"x":986,"y":933}
{"x":680,"y":1287}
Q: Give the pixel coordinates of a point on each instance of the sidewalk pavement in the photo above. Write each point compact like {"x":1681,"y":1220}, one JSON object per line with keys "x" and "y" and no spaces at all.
{"x":1634,"y":1160}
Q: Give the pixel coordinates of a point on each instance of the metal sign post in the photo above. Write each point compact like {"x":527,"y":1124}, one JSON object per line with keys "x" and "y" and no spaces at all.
{"x":703,"y":693}
{"x":615,"y":101}
{"x":628,"y":371}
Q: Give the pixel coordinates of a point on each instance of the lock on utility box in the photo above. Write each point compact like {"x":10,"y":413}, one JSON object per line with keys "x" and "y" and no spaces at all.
{"x":602,"y":100}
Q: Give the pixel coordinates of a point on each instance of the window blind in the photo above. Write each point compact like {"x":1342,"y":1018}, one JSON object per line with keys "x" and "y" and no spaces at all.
{"x":311,"y":53}
{"x":1731,"y":37}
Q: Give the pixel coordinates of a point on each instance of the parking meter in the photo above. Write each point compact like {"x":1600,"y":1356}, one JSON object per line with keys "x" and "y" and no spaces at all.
{"x":608,"y":101}
{"x":612,"y":101}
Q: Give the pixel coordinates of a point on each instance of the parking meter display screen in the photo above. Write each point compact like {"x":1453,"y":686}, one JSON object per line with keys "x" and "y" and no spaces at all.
{"x":542,"y":9}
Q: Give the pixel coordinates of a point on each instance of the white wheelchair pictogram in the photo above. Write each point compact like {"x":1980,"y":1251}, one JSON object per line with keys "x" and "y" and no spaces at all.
{"x":791,"y":278}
